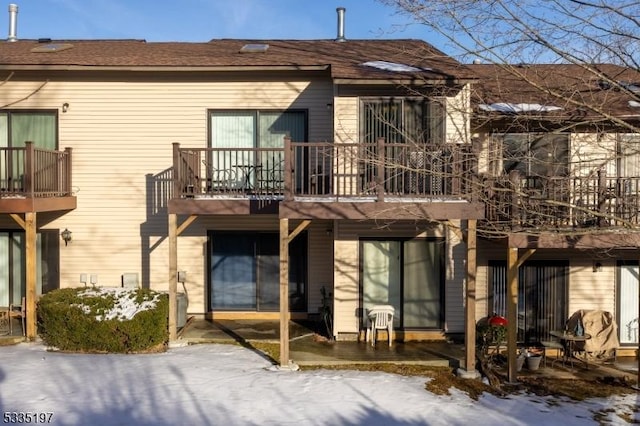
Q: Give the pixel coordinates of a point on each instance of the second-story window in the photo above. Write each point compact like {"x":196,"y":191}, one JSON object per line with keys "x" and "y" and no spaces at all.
{"x":248,"y":145}
{"x":403,"y":120}
{"x":535,"y":155}
{"x":256,"y":129}
{"x":629,"y":155}
{"x":18,"y":127}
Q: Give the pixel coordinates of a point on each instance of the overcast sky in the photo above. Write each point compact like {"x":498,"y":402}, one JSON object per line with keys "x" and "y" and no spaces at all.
{"x":202,"y":20}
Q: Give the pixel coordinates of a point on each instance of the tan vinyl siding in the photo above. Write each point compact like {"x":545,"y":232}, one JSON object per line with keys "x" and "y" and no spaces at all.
{"x":457,"y":117}
{"x":346,"y":113}
{"x":589,"y":289}
{"x":455,"y":283}
{"x":121,"y":134}
{"x":591,"y":152}
{"x":320,"y":264}
{"x":346,"y":286}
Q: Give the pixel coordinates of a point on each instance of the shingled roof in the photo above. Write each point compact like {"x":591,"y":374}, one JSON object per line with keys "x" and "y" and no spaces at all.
{"x":344,"y":59}
{"x":562,"y":91}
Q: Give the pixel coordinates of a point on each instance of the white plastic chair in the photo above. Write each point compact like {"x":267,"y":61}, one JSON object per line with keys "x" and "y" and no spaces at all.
{"x":380,"y":318}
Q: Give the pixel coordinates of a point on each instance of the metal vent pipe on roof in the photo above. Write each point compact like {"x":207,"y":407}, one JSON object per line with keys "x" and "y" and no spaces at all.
{"x":340,"y":11}
{"x":13,"y":22}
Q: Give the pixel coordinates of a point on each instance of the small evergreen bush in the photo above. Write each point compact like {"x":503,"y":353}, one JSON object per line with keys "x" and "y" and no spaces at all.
{"x":98,"y":319}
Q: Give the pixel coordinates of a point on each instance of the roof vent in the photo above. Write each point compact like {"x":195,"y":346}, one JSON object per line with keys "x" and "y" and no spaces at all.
{"x":341,"y":11}
{"x":13,"y":22}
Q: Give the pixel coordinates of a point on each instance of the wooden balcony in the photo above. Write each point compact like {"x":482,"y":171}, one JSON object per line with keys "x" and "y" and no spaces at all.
{"x":518,"y":202}
{"x":34,"y":179}
{"x":320,"y":179}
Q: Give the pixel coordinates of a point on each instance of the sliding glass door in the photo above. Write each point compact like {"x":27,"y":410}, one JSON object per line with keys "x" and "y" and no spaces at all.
{"x":406,"y":274}
{"x":628,"y":303}
{"x":242,"y":132}
{"x":542,"y":297}
{"x":13,"y":264}
{"x":245,"y":271}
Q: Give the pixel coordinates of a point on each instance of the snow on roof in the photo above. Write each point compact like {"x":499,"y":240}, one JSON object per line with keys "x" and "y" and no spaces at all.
{"x":634,"y":104}
{"x":394,"y":67}
{"x":125,"y":304}
{"x":517,"y":108}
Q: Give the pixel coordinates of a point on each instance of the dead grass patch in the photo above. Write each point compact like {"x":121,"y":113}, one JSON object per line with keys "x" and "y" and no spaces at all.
{"x":442,"y":379}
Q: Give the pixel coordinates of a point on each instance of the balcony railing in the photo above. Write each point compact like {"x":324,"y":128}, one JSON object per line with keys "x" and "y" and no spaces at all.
{"x":326,"y":170}
{"x":517,"y":201}
{"x":32,"y":172}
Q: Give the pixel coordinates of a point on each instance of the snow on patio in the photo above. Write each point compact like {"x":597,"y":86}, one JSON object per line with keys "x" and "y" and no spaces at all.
{"x":231,"y":385}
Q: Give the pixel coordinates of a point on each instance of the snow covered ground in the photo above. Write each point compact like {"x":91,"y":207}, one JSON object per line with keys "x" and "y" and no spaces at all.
{"x":231,"y":385}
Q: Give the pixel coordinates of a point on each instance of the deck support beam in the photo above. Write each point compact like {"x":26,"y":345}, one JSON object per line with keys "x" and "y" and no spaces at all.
{"x":29,"y":225}
{"x":284,"y":292}
{"x":512,"y":313}
{"x":173,"y":275}
{"x":173,"y":232}
{"x":31,"y":273}
{"x":470,"y":305}
{"x":514,"y":261}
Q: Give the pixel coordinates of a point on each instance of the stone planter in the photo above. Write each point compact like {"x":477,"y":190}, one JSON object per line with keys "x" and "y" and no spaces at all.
{"x":533,"y":362}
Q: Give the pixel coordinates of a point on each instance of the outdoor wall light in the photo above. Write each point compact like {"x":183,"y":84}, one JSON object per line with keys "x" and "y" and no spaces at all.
{"x":65,"y":107}
{"x":66,"y":236}
{"x":597,"y":267}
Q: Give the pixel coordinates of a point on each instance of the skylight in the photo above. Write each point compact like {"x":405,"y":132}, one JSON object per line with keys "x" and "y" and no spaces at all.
{"x":517,"y":108}
{"x":52,"y":47}
{"x":254,"y":48}
{"x":393,"y":67}
{"x":630,"y":86}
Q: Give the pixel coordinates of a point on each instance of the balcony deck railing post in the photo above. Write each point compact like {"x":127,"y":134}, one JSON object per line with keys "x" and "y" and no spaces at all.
{"x":28,"y":169}
{"x":380,"y":168}
{"x":514,"y":189}
{"x":177,"y":172}
{"x":68,"y":183}
{"x":288,"y":170}
{"x":456,"y":169}
{"x":602,"y":198}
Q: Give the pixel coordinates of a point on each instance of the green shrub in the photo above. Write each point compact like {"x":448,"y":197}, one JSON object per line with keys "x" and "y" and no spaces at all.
{"x":100,"y":319}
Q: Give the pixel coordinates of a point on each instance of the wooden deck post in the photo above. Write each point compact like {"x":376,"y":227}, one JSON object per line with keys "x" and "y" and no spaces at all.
{"x":602,"y":197}
{"x":173,"y":275}
{"x":68,"y":173}
{"x":470,"y":305}
{"x":380,"y":166}
{"x":29,"y":169}
{"x":288,"y":169}
{"x":31,"y":273}
{"x":512,"y":312}
{"x":284,"y":292}
{"x":514,"y":188}
{"x":178,"y":185}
